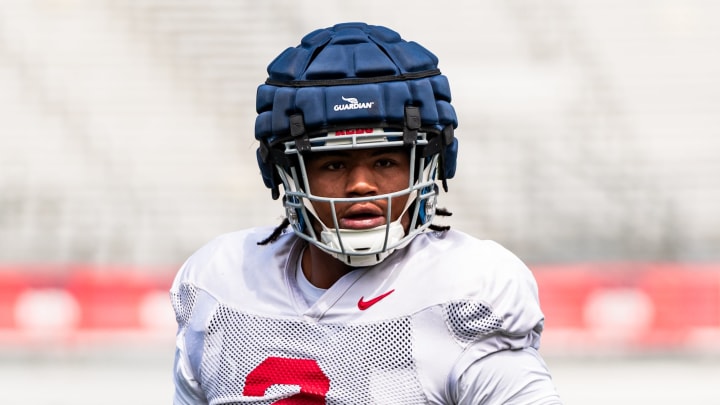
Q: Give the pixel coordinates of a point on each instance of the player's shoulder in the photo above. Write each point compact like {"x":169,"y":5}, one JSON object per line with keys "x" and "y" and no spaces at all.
{"x":455,"y":266}
{"x":464,"y":257}
{"x":482,"y":286}
{"x":232,"y":250}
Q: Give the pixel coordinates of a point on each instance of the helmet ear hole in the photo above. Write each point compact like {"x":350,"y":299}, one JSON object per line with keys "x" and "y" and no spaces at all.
{"x":427,"y":206}
{"x":294,"y":212}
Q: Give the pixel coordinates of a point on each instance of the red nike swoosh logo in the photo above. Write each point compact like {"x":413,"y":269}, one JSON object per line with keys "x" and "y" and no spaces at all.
{"x":363,"y":305}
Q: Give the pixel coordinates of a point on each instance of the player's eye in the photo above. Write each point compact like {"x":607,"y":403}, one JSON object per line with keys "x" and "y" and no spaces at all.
{"x":385,"y":163}
{"x":332,"y":165}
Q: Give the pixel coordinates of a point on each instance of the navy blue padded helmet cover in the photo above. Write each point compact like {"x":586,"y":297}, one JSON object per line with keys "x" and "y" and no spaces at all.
{"x":348,"y":76}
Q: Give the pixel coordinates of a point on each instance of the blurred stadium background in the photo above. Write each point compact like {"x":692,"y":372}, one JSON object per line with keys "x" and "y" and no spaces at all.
{"x":590,"y":146}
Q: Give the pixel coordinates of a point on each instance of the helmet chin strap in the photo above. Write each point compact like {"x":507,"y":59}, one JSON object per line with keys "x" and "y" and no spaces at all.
{"x":356,"y":241}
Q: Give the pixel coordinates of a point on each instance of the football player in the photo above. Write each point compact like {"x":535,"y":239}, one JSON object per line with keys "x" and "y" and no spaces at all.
{"x":358,"y":297}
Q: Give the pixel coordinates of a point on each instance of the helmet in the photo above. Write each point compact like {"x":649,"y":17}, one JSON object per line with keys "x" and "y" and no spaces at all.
{"x":318,"y":94}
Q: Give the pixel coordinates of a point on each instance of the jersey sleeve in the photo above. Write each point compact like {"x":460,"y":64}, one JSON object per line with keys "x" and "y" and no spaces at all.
{"x":187,"y":388}
{"x":507,"y":377}
{"x":184,"y":296}
{"x":499,"y":309}
{"x":499,"y":328}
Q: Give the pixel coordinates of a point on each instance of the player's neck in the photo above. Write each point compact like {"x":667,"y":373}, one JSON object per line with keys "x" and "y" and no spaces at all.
{"x":321,"y":269}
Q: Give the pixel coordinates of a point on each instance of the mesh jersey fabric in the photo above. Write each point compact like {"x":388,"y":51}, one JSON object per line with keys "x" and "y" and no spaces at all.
{"x":246,"y":335}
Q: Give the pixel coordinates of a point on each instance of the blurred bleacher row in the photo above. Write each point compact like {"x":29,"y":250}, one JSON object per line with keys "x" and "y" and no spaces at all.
{"x":589,"y":133}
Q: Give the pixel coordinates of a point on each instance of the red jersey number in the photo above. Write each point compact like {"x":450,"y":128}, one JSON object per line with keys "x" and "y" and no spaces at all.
{"x":306,"y":374}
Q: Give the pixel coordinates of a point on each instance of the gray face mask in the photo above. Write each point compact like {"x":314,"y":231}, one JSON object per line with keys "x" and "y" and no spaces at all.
{"x":364,"y":247}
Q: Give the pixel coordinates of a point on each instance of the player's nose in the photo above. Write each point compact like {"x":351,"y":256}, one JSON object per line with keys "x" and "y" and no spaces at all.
{"x":361,"y":181}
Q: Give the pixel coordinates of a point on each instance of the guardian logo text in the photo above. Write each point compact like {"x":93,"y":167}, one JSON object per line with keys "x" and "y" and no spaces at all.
{"x":351,"y":103}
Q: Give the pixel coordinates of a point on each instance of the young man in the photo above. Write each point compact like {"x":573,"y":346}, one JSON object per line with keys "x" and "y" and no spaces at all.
{"x":366,"y":301}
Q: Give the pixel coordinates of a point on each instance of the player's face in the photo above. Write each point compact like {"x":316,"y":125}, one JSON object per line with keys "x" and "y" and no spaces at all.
{"x":359,"y":173}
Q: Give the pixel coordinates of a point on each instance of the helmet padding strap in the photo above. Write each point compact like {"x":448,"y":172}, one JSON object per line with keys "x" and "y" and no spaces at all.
{"x":412,"y":125}
{"x":298,"y":132}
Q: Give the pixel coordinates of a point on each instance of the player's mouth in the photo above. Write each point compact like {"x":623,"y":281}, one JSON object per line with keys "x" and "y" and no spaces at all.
{"x":365,"y":217}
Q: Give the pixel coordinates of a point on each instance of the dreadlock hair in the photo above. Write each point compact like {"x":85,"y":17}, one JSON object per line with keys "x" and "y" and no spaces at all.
{"x":275,"y":233}
{"x":286,"y":222}
{"x":443,"y":212}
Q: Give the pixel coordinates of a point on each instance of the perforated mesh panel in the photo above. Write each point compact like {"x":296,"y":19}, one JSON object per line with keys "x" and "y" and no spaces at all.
{"x":470,"y":320}
{"x":183,"y":302}
{"x":368,"y":363}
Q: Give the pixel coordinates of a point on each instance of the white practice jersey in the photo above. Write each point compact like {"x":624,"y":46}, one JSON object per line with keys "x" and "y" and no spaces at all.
{"x":449,"y":319}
